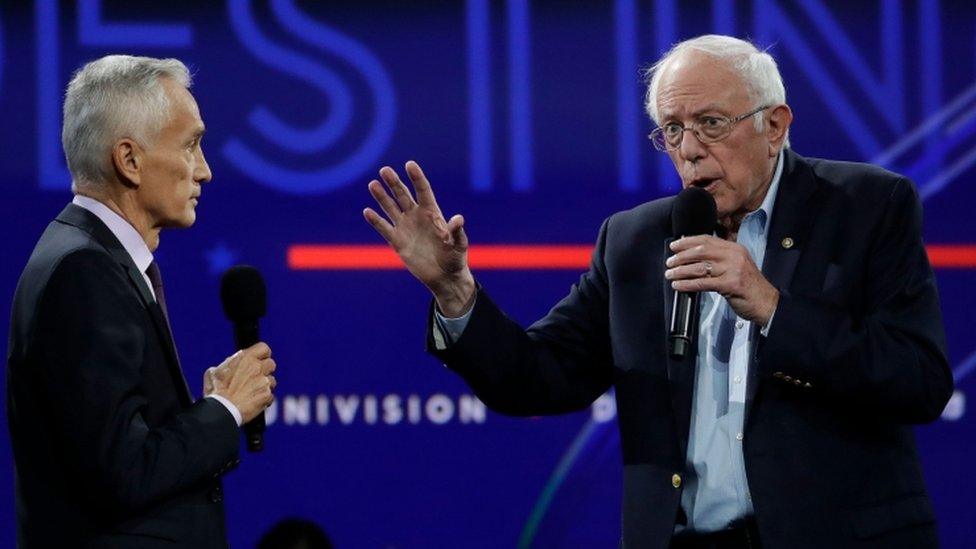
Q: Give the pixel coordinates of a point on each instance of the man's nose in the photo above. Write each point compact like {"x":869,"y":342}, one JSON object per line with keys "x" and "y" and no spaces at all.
{"x":202,"y":172}
{"x":690,"y":148}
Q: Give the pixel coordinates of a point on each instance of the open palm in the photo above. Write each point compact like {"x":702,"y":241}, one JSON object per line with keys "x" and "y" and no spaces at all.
{"x":433,"y":249}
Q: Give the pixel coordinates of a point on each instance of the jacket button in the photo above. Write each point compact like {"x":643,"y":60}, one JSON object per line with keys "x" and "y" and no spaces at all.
{"x":778,"y":375}
{"x":797,"y":382}
{"x":787,"y":379}
{"x":676,"y":480}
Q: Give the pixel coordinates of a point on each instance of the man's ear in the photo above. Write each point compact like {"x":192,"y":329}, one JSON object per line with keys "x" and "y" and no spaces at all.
{"x":778,"y":123}
{"x":128,"y":158}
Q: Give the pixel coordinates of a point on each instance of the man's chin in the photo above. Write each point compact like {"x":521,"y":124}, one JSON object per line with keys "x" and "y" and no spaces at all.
{"x":186,"y":221}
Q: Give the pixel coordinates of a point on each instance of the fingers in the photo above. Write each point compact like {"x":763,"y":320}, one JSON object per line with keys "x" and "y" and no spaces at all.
{"x":382,"y":198}
{"x":268,"y":366}
{"x":687,"y":242}
{"x":259,"y":350}
{"x":425,"y":194}
{"x":399,"y":190}
{"x":381,"y":225}
{"x":702,"y":269}
{"x":694,"y":249}
{"x":263,"y":389}
{"x":232,"y":359}
{"x":702,"y":276}
{"x":700,"y":285}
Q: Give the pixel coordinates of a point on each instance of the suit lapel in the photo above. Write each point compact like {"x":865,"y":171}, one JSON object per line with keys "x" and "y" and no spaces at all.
{"x":794,"y":213}
{"x":681,"y":373}
{"x":83,"y":219}
{"x":163,"y":331}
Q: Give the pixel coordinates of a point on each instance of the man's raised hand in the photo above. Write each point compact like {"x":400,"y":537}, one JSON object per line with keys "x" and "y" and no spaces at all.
{"x":433,"y":249}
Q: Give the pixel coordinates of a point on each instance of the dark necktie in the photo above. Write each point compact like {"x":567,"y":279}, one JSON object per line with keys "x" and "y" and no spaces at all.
{"x":156,"y":279}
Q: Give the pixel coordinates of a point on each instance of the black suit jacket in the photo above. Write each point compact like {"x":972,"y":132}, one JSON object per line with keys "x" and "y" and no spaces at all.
{"x":855,"y":355}
{"x":110,"y":450}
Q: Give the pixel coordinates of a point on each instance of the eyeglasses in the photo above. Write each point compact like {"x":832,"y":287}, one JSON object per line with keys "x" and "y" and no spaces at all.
{"x":708,"y":129}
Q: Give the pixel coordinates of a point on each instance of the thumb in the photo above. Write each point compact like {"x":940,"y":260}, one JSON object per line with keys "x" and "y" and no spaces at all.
{"x":456,"y":227}
{"x":208,"y":382}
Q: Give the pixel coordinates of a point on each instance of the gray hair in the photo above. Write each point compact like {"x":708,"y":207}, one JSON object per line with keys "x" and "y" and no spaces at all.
{"x":110,"y":98}
{"x":756,"y":68}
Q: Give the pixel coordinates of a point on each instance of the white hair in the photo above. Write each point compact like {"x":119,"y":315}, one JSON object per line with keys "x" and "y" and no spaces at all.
{"x":757,"y":69}
{"x":111,"y":98}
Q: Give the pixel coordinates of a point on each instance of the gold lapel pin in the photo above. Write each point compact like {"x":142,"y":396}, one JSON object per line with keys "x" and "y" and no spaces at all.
{"x":787,"y":243}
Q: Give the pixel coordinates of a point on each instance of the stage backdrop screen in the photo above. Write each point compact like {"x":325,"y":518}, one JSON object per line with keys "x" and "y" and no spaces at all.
{"x":528,"y":119}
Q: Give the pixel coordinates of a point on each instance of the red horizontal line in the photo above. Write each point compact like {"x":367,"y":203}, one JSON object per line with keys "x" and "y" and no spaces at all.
{"x":506,"y":257}
{"x":345,"y":257}
{"x":952,"y":256}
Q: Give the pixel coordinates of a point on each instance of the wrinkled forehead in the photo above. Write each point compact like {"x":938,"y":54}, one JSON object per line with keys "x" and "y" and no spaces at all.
{"x":694,"y":82}
{"x":182,"y":103}
{"x":183,"y":98}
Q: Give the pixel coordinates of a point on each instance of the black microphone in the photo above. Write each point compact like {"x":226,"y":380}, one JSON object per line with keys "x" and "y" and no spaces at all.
{"x":245,"y":300}
{"x":692,"y":213}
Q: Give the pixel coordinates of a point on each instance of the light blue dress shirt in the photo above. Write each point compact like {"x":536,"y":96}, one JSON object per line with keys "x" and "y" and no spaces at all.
{"x":716,"y":490}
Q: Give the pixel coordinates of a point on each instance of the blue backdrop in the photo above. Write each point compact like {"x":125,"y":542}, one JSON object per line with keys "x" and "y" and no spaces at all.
{"x":527,"y":118}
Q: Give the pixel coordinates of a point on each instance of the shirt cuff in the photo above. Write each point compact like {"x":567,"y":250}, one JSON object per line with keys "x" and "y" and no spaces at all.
{"x":449,"y":330}
{"x":230,"y":408}
{"x":765,"y":329}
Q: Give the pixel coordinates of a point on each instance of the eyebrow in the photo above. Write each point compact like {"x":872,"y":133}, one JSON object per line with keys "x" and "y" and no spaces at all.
{"x":699,"y":112}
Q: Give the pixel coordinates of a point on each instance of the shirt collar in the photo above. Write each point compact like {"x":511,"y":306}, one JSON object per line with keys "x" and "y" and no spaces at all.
{"x":125,"y":232}
{"x":767,"y":205}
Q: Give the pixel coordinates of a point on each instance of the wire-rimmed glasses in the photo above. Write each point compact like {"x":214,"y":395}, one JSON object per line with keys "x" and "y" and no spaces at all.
{"x":708,"y":129}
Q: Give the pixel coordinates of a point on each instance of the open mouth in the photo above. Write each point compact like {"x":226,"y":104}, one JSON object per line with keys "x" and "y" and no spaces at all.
{"x":707,"y":183}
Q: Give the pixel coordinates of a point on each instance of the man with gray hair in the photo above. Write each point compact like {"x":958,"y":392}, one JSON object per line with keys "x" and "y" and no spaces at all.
{"x":820,"y":338}
{"x":110,"y":447}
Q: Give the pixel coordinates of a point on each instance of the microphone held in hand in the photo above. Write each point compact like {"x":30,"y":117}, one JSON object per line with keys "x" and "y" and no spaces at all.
{"x":244,"y":297}
{"x":692,"y":213}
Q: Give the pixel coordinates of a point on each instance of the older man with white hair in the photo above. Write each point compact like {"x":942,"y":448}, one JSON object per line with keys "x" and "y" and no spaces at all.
{"x":820,"y":334}
{"x":110,"y":447}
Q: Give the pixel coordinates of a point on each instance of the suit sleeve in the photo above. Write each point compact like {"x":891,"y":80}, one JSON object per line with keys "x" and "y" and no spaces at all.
{"x":562,"y":363}
{"x":92,"y":353}
{"x":891,"y":359}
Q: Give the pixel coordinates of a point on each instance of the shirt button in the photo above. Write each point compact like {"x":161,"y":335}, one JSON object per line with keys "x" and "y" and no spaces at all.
{"x":676,"y":480}
{"x":738,"y":379}
{"x":738,"y":436}
{"x":739,"y":324}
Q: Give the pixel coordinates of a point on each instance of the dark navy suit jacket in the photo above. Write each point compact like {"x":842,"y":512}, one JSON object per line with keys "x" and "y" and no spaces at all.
{"x":109,"y":448}
{"x":855,"y":356}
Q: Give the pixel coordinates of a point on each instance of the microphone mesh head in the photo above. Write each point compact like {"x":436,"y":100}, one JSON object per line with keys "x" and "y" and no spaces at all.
{"x":693,"y":212}
{"x":243,"y":294}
